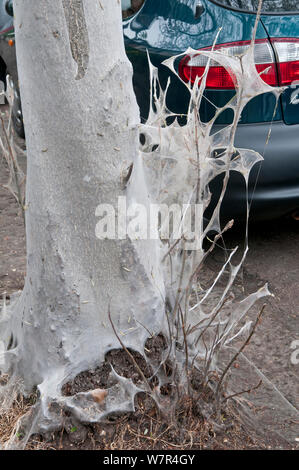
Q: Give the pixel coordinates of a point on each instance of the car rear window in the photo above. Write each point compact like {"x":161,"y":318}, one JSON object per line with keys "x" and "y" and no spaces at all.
{"x":269,"y":6}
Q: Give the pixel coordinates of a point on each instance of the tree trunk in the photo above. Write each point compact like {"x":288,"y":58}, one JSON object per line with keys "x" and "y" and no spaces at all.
{"x":81,"y":123}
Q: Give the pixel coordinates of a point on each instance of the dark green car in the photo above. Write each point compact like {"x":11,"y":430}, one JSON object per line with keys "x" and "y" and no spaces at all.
{"x":8,"y":63}
{"x":168,"y":27}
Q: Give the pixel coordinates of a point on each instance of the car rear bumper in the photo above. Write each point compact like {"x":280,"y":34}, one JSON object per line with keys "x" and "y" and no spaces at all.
{"x":274,"y":183}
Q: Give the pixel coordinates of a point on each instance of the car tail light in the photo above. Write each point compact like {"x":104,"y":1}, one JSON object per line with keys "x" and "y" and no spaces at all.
{"x":218,"y":77}
{"x":287,"y":51}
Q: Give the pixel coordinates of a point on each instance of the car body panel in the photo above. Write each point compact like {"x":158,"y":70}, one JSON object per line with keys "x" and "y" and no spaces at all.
{"x":170,"y":27}
{"x":274,"y":182}
{"x":6,"y":22}
{"x":7,"y":52}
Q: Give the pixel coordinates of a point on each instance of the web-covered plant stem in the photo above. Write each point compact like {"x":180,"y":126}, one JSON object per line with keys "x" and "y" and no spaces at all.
{"x":16,"y":183}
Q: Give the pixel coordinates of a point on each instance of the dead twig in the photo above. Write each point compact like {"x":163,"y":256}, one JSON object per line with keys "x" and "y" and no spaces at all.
{"x":128,"y":353}
{"x":244,"y":391}
{"x":14,"y":168}
{"x":239,"y":351}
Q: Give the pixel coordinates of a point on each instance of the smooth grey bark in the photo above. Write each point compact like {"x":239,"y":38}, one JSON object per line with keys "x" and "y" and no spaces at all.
{"x":81,"y":121}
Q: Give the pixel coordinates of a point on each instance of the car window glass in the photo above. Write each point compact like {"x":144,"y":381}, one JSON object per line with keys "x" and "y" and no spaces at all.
{"x":269,"y":6}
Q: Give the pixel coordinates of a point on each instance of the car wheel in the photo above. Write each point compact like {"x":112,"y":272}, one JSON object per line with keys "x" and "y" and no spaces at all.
{"x":2,"y":79}
{"x":16,"y":113}
{"x":17,"y":117}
